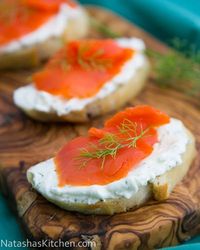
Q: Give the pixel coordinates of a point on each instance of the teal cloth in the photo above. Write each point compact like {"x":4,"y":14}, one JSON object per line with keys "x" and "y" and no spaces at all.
{"x":165,"y":19}
{"x":9,"y":228}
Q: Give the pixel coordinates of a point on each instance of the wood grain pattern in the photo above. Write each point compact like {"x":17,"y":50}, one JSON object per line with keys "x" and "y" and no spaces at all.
{"x":24,"y":142}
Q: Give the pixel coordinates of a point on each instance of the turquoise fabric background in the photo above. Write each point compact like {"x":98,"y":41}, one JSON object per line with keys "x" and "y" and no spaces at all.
{"x":9,"y":227}
{"x":165,"y":19}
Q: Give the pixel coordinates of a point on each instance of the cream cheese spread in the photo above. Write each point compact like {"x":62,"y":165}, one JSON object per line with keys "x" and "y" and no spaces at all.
{"x":167,"y":154}
{"x":29,"y":98}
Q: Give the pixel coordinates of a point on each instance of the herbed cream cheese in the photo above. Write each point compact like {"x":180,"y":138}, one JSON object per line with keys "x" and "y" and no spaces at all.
{"x":29,"y":98}
{"x":54,"y":27}
{"x":167,"y":154}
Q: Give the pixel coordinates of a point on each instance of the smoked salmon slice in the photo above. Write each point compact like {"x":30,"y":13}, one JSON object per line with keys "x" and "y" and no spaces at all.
{"x":108,"y":154}
{"x":81,"y":68}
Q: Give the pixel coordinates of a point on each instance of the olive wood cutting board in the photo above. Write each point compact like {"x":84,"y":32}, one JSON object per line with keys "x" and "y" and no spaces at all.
{"x":24,"y":142}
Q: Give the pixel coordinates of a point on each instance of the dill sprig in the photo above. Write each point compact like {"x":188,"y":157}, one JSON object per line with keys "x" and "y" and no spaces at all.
{"x":7,"y":11}
{"x":94,"y":61}
{"x":11,"y":10}
{"x":173,"y":69}
{"x":103,"y":29}
{"x":177,"y":70}
{"x":111,"y":143}
{"x":128,"y":127}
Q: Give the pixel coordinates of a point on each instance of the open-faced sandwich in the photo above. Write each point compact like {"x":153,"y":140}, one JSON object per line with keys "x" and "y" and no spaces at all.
{"x":139,"y":153}
{"x":84,"y":79}
{"x":33,"y":30}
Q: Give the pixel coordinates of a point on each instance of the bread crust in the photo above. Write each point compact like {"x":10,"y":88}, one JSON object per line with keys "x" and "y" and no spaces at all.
{"x":124,"y":93}
{"x":32,"y":56}
{"x":159,"y":189}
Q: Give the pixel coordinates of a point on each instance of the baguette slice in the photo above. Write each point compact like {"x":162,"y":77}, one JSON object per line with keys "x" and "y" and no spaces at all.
{"x":158,"y":189}
{"x":113,"y":100}
{"x":33,"y":55}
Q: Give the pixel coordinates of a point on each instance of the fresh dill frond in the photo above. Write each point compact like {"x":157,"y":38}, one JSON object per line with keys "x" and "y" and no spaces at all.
{"x":111,"y":143}
{"x":94,"y":61}
{"x":177,"y":70}
{"x":103,"y":28}
{"x":108,"y":145}
{"x":180,"y":71}
{"x":128,"y":126}
{"x":64,"y":64}
{"x":133,"y":131}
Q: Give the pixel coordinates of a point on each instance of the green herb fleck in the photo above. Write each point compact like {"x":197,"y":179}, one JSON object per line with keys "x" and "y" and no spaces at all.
{"x":111,"y":143}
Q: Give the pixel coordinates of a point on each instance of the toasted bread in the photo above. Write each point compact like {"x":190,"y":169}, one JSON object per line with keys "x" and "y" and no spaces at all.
{"x":158,"y":189}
